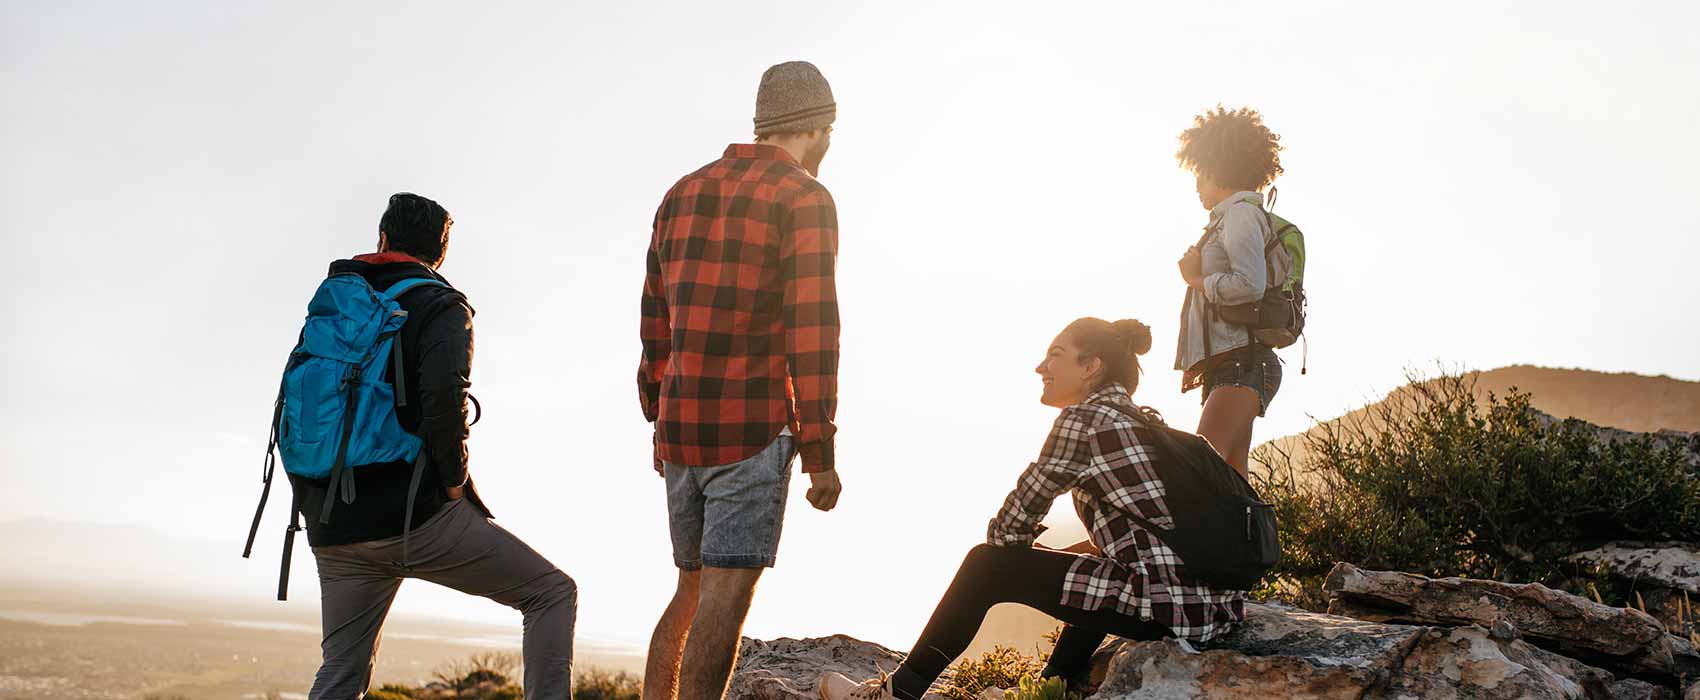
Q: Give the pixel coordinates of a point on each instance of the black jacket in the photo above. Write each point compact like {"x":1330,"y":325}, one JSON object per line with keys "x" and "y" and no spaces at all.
{"x":436,"y":347}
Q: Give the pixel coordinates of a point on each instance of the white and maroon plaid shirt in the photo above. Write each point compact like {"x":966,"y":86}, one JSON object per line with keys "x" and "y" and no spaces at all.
{"x":1105,"y":458}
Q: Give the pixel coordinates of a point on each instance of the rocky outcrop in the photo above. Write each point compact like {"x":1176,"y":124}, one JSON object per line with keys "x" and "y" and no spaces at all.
{"x":1619,"y":638}
{"x":1667,"y":564}
{"x":1664,"y":575}
{"x":1687,"y":442}
{"x":790,"y":669}
{"x":1282,"y":652}
{"x":1278,"y":652}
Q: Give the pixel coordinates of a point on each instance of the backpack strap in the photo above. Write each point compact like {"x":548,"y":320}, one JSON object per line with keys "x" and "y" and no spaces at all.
{"x":342,"y":479}
{"x":288,"y":547}
{"x":269,"y":470}
{"x":395,"y":293}
{"x":412,"y":493}
{"x":1275,"y":236}
{"x":266,"y":472}
{"x":400,"y":382}
{"x":407,"y":285}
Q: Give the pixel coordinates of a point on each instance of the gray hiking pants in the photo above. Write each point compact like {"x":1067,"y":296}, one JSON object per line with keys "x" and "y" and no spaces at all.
{"x":459,"y":548}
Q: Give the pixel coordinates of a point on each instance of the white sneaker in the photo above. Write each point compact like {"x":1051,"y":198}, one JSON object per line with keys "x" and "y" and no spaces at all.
{"x":837,"y":686}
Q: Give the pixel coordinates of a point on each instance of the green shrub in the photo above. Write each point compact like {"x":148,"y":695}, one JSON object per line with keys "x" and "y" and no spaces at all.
{"x":600,"y":684}
{"x":487,"y":676}
{"x":1002,"y":667}
{"x":1041,"y":689}
{"x":1435,"y":481}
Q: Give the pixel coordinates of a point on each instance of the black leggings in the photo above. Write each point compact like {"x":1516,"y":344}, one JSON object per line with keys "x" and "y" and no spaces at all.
{"x":1031,"y":577}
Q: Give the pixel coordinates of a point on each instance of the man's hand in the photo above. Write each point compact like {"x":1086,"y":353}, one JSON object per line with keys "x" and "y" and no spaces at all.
{"x":824,"y":489}
{"x":455,"y":492}
{"x":1192,"y":267}
{"x":655,"y":454}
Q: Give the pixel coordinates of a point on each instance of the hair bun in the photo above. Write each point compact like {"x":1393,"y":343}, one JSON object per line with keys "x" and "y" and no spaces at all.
{"x":1138,"y":335}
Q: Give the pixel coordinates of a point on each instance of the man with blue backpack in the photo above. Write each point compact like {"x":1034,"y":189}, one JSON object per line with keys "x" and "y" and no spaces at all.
{"x":371,"y":426}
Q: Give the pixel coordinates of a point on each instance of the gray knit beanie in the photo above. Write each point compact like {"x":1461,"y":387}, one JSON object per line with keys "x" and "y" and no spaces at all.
{"x":793,"y":97}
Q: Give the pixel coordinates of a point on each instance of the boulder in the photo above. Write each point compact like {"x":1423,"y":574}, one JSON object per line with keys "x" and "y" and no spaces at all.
{"x":1278,"y":652}
{"x":1688,"y":443}
{"x":1617,"y":638}
{"x":790,"y":669}
{"x":1597,"y":683}
{"x":1282,"y":652}
{"x":1674,"y":565}
{"x":1665,"y":574}
{"x":1687,"y":660}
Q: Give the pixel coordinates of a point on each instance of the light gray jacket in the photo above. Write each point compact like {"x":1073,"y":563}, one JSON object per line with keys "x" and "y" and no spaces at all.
{"x":1235,"y":272}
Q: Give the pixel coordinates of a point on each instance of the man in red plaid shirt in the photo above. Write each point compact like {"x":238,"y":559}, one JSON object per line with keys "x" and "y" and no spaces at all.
{"x":740,"y":369}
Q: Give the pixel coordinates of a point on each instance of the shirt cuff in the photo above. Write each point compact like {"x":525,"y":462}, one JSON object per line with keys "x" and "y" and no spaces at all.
{"x":997,"y":537}
{"x":817,"y":457}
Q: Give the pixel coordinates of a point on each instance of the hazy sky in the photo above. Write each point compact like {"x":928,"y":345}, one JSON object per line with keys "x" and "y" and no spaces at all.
{"x":1480,"y":184}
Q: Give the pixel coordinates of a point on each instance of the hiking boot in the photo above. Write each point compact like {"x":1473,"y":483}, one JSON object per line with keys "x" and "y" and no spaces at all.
{"x":836,"y":686}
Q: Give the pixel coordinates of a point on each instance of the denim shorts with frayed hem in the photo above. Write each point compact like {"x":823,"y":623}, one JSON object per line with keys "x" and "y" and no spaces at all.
{"x":1256,"y":368}
{"x":730,"y":517}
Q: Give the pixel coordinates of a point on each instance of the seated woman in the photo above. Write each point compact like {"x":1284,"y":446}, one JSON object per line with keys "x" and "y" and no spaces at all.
{"x":1123,"y":581}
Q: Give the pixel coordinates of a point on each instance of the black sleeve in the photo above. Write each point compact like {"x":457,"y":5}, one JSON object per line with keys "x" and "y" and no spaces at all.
{"x":445,"y":374}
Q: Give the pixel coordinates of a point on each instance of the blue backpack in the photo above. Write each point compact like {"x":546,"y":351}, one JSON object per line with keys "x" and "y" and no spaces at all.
{"x":334,"y":411}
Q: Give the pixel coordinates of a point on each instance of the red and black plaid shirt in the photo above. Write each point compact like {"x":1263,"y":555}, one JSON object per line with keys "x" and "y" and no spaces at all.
{"x":740,"y":312}
{"x":1095,"y":451}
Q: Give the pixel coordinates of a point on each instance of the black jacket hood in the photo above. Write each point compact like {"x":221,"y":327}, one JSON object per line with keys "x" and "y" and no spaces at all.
{"x":383,"y":274}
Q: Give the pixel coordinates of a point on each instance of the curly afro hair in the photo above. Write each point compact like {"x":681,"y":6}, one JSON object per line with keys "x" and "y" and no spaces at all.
{"x":1231,"y":147}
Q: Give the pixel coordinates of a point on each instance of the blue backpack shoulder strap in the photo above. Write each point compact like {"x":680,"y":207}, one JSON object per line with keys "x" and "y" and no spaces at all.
{"x":407,"y":285}
{"x":395,"y":292}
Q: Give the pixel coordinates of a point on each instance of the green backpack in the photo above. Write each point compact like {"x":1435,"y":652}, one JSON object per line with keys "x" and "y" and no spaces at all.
{"x":1278,"y":319}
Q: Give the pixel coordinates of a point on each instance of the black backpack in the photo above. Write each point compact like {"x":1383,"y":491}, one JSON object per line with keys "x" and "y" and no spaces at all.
{"x":1224,"y":533}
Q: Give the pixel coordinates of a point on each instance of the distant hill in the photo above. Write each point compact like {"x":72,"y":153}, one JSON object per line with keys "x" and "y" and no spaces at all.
{"x":1627,"y":401}
{"x":1622,"y":400}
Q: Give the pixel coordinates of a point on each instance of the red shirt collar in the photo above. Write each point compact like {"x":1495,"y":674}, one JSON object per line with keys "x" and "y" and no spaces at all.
{"x":389,"y":256}
{"x":760,"y":151}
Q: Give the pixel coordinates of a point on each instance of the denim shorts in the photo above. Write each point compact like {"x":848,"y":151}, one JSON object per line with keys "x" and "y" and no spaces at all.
{"x":729,"y":517}
{"x":1256,"y":368}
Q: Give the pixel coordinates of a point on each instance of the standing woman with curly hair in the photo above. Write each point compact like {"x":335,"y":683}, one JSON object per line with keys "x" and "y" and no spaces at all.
{"x":1234,"y":157}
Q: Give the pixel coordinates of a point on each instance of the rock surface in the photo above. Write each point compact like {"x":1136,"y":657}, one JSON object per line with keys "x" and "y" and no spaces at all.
{"x":1661,"y":572}
{"x":790,"y":669}
{"x":1282,"y":652}
{"x":1620,"y":638}
{"x":1278,"y":652}
{"x":1673,"y":565}
{"x":1687,"y":442}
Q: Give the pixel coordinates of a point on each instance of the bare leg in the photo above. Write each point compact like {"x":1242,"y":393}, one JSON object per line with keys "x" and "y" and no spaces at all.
{"x":1226,"y":423}
{"x":667,"y":646}
{"x":712,"y":646}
